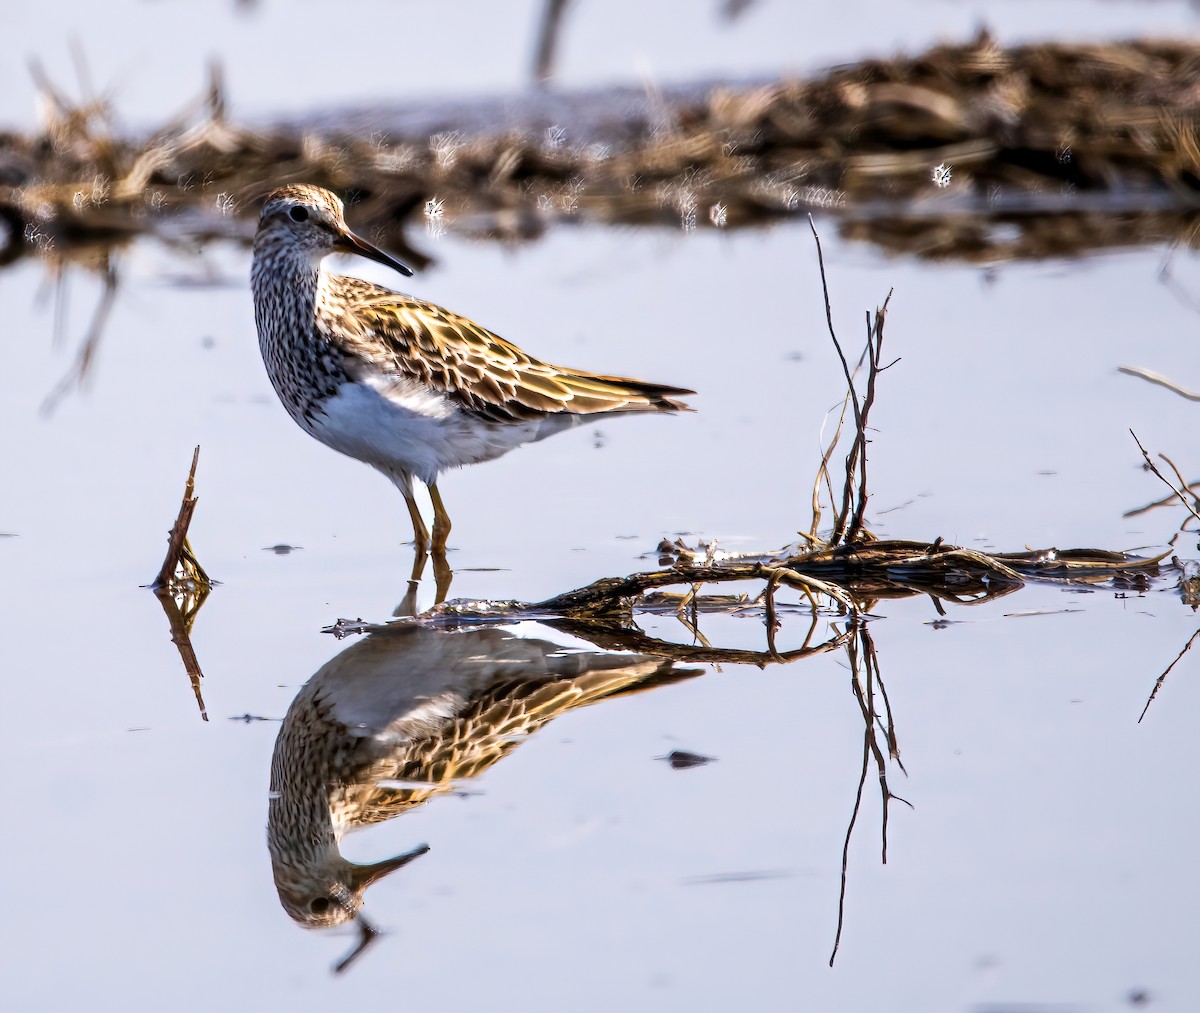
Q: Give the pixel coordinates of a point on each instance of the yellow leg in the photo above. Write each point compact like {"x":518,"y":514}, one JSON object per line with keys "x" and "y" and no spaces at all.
{"x":420,"y":532}
{"x":441,"y":521}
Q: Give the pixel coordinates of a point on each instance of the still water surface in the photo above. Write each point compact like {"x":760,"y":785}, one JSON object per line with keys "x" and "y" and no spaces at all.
{"x":1047,"y":856}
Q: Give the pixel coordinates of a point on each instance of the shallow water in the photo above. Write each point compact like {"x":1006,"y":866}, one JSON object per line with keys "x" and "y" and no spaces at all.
{"x":1047,"y":856}
{"x":278,"y":61}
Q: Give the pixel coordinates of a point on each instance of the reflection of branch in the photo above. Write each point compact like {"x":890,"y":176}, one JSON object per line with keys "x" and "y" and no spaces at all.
{"x":91,"y":341}
{"x":609,"y":597}
{"x":858,"y":794}
{"x":181,"y":613}
{"x":547,"y":39}
{"x":1155,"y":504}
{"x":367,"y":934}
{"x":624,"y":638}
{"x":1163,"y":678}
{"x":864,"y":663}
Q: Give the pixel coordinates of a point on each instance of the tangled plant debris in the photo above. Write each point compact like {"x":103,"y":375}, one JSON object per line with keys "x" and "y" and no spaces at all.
{"x":1103,"y":140}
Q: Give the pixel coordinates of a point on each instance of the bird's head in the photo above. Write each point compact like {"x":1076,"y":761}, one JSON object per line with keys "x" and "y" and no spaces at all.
{"x":311,"y":219}
{"x":330,"y":892}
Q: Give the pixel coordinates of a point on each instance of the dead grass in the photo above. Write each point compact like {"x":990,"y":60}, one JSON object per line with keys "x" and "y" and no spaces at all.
{"x":182,"y":586}
{"x":1047,"y":120}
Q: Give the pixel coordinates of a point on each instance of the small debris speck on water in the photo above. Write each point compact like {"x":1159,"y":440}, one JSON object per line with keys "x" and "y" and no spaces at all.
{"x":681,"y":759}
{"x":348,"y":627}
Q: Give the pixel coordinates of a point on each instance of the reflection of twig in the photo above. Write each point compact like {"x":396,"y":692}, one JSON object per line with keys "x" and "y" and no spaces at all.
{"x":1147,"y":507}
{"x":866,"y":676}
{"x":1159,"y":379}
{"x":547,"y":39}
{"x":181,"y":609}
{"x":1162,"y":678}
{"x":691,"y":623}
{"x":1179,"y":494}
{"x":626,"y":638}
{"x":91,"y":341}
{"x":1167,"y":276}
{"x":367,"y":934}
{"x":610,"y":596}
{"x":858,"y":794}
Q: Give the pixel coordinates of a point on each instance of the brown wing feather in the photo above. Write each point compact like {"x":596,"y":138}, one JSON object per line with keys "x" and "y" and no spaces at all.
{"x":492,"y":724}
{"x":478,"y":369}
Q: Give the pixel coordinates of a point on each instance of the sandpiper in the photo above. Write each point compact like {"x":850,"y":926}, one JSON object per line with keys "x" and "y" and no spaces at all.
{"x":398,"y":383}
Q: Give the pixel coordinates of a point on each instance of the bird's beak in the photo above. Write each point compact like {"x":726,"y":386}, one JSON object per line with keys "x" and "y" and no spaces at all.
{"x":363,"y":876}
{"x":348,"y":242}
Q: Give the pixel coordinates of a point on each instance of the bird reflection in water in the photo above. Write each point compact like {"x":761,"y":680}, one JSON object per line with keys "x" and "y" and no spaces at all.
{"x":399,"y":717}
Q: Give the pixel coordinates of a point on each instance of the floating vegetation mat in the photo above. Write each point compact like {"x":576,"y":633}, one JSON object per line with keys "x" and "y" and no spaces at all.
{"x":964,"y":151}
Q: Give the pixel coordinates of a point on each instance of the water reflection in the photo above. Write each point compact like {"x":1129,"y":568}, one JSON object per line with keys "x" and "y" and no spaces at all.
{"x":404,"y":715}
{"x":415,"y":708}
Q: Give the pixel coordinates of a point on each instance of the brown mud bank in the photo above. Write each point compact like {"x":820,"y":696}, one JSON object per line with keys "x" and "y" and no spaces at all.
{"x":963,"y":151}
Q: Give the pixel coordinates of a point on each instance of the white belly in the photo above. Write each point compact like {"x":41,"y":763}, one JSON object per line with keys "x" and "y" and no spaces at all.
{"x":407,"y":428}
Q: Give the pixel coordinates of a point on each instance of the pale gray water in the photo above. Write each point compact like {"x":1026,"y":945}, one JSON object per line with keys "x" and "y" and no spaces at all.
{"x":1049,"y":856}
{"x":306,"y":56}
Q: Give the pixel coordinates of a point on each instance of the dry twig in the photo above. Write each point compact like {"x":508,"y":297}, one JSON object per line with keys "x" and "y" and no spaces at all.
{"x":1177,"y":490}
{"x":182,"y":585}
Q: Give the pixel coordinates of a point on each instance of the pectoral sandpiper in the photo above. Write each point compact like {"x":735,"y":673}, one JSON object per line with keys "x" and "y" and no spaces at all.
{"x":398,"y":383}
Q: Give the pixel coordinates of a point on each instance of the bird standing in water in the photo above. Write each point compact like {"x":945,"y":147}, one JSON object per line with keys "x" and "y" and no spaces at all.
{"x":398,"y":383}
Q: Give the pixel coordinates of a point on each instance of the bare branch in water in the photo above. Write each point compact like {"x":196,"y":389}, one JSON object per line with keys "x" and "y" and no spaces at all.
{"x":1189,"y":503}
{"x":858,"y":450}
{"x":182,"y":585}
{"x":180,"y":564}
{"x":839,"y":529}
{"x":849,"y":522}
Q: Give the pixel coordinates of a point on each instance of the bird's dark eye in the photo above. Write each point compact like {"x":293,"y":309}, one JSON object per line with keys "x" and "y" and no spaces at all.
{"x":318,"y":905}
{"x":299,"y":215}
